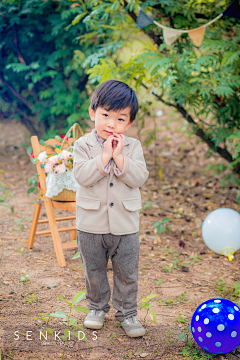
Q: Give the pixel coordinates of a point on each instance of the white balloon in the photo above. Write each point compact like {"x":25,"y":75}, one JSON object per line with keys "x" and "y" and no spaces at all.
{"x":221,"y":228}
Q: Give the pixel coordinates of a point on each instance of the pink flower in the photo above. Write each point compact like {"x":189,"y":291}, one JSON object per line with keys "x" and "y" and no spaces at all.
{"x":53,"y":159}
{"x":60,"y":169}
{"x":64,"y":155}
{"x":48,"y":167}
{"x":39,"y":185}
{"x":31,"y":156}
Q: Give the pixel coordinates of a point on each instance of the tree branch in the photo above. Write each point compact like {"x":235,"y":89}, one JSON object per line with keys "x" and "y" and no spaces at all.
{"x":151,"y":33}
{"x":15,"y":93}
{"x":25,"y":120}
{"x":199,"y":132}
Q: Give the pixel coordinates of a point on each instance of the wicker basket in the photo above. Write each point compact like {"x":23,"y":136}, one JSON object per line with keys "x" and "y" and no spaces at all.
{"x":65,"y":195}
{"x":69,"y":195}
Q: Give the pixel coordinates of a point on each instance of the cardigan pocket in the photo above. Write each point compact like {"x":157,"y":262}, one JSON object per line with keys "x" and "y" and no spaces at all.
{"x":88,"y":203}
{"x":132,"y":204}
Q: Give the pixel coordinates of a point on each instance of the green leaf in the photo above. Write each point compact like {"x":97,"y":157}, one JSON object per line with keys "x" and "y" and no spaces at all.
{"x":152,"y":296}
{"x":160,"y":228}
{"x":29,"y":150}
{"x":158,"y":282}
{"x":49,"y":331}
{"x":42,"y":142}
{"x":168,"y":268}
{"x":82,"y":309}
{"x":144,"y":299}
{"x":182,"y":336}
{"x":76,"y":256}
{"x":153,"y":315}
{"x":72,"y":321}
{"x":165,"y":220}
{"x":61,"y":298}
{"x":156,"y":224}
{"x":60,"y":314}
{"x":78,"y":297}
{"x":58,"y":138}
{"x":30,"y":190}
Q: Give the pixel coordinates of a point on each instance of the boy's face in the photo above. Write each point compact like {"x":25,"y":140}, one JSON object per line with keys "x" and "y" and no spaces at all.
{"x":109,"y":122}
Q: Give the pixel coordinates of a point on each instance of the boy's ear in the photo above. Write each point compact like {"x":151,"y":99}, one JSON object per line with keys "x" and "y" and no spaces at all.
{"x":91,"y":113}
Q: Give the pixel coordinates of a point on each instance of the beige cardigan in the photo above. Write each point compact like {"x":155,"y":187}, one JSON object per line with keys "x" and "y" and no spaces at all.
{"x":108,"y":202}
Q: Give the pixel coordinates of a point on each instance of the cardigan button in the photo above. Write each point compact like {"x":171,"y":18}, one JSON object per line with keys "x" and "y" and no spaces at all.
{"x":111,"y":204}
{"x":111,"y":184}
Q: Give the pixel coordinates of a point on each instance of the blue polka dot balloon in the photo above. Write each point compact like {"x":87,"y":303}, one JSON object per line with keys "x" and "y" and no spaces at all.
{"x":216,"y":326}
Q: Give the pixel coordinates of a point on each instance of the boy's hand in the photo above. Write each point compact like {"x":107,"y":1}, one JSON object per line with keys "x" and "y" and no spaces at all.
{"x":118,"y":144}
{"x":107,"y":150}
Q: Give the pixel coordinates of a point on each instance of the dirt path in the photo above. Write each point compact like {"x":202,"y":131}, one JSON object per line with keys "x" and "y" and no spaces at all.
{"x":185,"y":188}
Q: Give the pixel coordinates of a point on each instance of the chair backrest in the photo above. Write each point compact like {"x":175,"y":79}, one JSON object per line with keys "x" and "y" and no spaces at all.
{"x":37,"y":148}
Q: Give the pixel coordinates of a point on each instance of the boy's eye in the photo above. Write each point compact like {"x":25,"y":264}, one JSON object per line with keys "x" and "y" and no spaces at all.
{"x":121,"y":119}
{"x":105,"y":114}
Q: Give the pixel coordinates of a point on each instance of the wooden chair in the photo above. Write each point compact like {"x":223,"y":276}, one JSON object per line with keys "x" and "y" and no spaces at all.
{"x":50,"y":205}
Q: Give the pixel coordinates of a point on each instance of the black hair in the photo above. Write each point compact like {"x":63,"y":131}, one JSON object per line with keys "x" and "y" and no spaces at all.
{"x":115,"y":95}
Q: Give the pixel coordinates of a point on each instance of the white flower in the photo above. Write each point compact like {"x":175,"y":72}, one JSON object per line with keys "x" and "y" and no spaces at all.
{"x":48,"y":167}
{"x":42,"y":157}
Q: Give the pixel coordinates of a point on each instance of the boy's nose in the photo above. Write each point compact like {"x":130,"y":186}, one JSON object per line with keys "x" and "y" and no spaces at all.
{"x":111,"y":124}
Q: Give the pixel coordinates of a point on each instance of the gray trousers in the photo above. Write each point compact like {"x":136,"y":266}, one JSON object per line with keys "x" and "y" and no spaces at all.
{"x":95,"y":249}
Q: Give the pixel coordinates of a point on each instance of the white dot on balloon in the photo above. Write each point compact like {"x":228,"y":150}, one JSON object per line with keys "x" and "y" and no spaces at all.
{"x":230,"y":316}
{"x":203,"y":307}
{"x":208,"y":334}
{"x":200,"y":339}
{"x":221,"y":327}
{"x":199,"y":329}
{"x":205,"y":348}
{"x":236,"y":308}
{"x":217,"y":301}
{"x":234,"y":334}
{"x":216,"y":310}
{"x":197,"y":317}
{"x":218,"y":344}
{"x":193,"y":330}
{"x":206,"y":321}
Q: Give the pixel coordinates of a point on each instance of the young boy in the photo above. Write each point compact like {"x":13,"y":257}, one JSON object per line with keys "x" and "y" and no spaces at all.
{"x":110,"y":168}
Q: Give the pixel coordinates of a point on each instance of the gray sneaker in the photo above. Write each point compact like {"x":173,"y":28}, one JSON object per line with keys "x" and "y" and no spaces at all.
{"x":133,"y":327}
{"x":94,"y":319}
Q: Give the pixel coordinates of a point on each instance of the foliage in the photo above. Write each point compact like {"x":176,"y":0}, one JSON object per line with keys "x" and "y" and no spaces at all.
{"x":160,"y":225}
{"x":225,"y":290}
{"x":202,"y":84}
{"x":71,"y":321}
{"x":24,"y":277}
{"x":181,"y":319}
{"x":31,"y":298}
{"x":146,"y":304}
{"x":42,"y":81}
{"x":5,"y":194}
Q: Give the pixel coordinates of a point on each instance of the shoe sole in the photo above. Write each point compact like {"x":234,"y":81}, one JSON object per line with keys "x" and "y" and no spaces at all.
{"x":136,"y":333}
{"x":93,"y":325}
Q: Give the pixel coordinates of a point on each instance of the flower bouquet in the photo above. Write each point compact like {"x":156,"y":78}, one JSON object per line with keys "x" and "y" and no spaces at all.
{"x":58,"y":166}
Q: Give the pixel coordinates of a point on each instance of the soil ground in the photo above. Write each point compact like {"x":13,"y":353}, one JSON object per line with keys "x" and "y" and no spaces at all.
{"x":181,"y":189}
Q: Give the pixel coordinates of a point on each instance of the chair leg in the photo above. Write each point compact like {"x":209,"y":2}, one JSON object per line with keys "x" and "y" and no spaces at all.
{"x":54,"y":231}
{"x":74,"y":233}
{"x":33,"y":229}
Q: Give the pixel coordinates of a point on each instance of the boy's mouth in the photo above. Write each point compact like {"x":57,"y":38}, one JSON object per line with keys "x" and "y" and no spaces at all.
{"x":107,"y":132}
